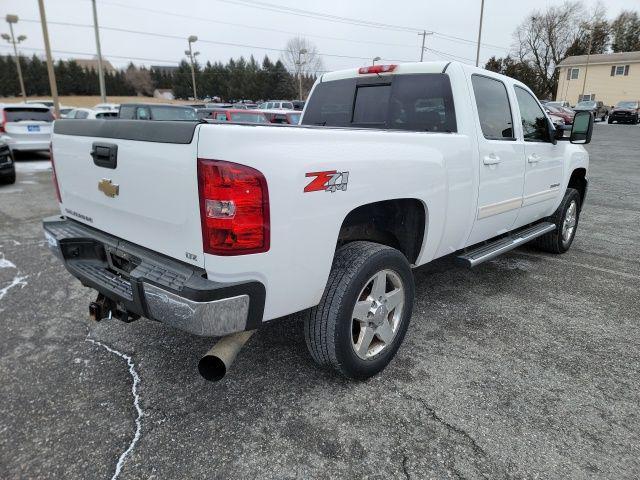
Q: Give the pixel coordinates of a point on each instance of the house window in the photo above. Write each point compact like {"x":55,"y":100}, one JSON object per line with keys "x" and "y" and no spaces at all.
{"x":619,"y":70}
{"x":572,"y":73}
{"x":586,"y":97}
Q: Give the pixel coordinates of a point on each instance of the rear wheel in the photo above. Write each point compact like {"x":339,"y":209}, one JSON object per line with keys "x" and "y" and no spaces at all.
{"x":362,"y":318}
{"x":566,"y":220}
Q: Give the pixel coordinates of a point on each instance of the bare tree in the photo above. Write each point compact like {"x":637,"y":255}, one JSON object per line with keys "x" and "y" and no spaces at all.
{"x":626,"y":32}
{"x":139,"y":79}
{"x":301,"y":58}
{"x":543,"y":39}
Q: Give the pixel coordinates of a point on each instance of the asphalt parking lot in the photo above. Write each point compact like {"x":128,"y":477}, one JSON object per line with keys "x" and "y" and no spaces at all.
{"x":525,"y":367}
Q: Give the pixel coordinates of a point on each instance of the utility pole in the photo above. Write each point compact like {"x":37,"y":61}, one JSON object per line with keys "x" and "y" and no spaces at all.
{"x":424,"y":36}
{"x":299,"y":63}
{"x":192,"y":54}
{"x":479,"y":33}
{"x":103,"y":93}
{"x":586,"y":68}
{"x":11,"y":19}
{"x":50,"y":70}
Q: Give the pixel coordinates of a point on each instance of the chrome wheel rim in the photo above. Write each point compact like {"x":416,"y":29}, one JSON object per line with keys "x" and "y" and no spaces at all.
{"x":377,"y":314}
{"x":569,"y":223}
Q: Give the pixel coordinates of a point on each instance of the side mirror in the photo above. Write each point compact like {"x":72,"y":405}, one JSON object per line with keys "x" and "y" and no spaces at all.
{"x":582,"y":128}
{"x":552,"y":131}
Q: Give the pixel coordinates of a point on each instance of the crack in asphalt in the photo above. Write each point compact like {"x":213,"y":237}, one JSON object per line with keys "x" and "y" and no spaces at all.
{"x":405,"y":470}
{"x":136,"y":403}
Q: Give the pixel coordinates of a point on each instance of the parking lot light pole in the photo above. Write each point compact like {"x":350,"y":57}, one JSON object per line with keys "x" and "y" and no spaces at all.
{"x":51,"y":72}
{"x":11,"y":19}
{"x":376,"y":59}
{"x":191,"y":54}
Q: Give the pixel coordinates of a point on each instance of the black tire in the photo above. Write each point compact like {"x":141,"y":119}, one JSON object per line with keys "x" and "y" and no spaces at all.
{"x":329,"y":327}
{"x":609,"y":121}
{"x":553,"y":242}
{"x":8,"y":179}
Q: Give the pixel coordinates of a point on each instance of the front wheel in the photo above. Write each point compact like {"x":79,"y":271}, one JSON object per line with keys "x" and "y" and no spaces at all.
{"x":566,"y":220}
{"x":363,"y":315}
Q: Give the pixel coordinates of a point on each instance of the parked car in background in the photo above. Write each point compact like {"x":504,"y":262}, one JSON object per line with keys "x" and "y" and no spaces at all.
{"x":46,"y":103}
{"x":599,"y":109}
{"x":88,"y":114}
{"x":7,"y":166}
{"x":107,"y":106}
{"x":25,"y":127}
{"x":236,"y":115}
{"x":627,"y":111}
{"x":156,"y":111}
{"x":282,"y":116}
{"x":567,"y":116}
{"x":64,"y":111}
{"x":276,"y":105}
{"x":562,"y":103}
{"x":218,"y":105}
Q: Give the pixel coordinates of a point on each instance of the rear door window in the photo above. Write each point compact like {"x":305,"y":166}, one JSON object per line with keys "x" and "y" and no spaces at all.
{"x":416,"y":102}
{"x":494,"y":109}
{"x":26,"y":114}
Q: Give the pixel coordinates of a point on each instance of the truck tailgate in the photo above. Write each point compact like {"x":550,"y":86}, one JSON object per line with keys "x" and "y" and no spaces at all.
{"x":150,"y":198}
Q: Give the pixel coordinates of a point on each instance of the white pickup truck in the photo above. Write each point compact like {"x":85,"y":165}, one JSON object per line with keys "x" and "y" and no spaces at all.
{"x":218,"y":228}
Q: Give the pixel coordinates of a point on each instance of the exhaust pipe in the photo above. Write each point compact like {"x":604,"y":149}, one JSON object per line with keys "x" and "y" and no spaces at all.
{"x":215,"y":363}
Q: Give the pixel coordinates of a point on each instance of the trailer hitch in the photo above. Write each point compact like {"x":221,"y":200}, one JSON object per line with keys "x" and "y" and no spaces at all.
{"x":104,"y":307}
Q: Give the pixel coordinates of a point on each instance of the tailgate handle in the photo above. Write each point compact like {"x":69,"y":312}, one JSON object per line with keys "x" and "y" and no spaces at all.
{"x":105,"y":154}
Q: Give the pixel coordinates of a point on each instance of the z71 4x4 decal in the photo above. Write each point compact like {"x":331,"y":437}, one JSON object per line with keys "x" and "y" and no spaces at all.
{"x":329,"y":181}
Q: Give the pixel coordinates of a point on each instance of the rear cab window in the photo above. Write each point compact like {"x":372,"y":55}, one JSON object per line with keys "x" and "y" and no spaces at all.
{"x":22,"y":114}
{"x":413,"y":102}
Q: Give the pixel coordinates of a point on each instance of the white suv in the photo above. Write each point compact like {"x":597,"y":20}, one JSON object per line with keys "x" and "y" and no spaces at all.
{"x":26,"y":127}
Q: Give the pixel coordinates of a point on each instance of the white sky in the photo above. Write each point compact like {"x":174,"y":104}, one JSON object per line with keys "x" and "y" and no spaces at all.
{"x":202,"y":17}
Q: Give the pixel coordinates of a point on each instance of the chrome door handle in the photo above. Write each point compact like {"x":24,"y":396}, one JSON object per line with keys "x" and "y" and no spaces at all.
{"x":534,"y":158}
{"x":491,"y":159}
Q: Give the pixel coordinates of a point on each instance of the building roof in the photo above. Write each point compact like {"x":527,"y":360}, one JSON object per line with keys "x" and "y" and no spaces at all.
{"x":92,"y":63}
{"x":601,"y":58}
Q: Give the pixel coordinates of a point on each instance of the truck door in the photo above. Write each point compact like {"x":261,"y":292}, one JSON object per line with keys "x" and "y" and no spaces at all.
{"x":501,"y":169}
{"x":544,"y":165}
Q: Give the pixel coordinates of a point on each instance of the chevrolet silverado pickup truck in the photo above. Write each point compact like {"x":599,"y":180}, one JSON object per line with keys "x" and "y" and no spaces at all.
{"x":217,"y":228}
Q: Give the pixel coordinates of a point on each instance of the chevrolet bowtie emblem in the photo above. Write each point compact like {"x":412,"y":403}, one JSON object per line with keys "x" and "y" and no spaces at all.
{"x":108,"y":188}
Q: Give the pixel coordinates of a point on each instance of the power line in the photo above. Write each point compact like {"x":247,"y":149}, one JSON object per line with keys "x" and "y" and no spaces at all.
{"x":339,"y":19}
{"x":250,"y":27}
{"x":285,"y":10}
{"x":213,"y":42}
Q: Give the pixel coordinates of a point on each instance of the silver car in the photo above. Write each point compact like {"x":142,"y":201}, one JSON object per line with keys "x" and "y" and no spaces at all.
{"x":25,"y":127}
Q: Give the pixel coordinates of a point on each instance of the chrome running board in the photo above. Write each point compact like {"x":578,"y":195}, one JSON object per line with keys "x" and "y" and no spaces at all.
{"x":492,"y":250}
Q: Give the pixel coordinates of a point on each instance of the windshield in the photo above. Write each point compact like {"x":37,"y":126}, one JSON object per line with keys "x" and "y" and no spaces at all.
{"x":25,"y":114}
{"x":627,"y":105}
{"x":248,"y":117}
{"x":173,"y":113}
{"x":587,"y":104}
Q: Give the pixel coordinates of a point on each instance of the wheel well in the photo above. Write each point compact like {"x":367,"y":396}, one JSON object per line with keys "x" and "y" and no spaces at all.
{"x":397,"y":223}
{"x":578,"y":181}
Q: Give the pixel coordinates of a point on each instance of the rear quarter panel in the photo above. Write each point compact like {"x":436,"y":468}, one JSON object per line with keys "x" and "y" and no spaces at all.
{"x":304,"y":226}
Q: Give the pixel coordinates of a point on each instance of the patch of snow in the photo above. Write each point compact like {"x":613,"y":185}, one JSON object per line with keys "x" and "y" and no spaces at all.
{"x":136,"y":403}
{"x":14,"y":283}
{"x":4,"y":263}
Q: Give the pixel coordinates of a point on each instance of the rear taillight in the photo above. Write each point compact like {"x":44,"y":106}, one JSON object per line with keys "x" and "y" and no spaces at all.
{"x":234,"y":208}
{"x":53,"y":174}
{"x":3,"y":120}
{"x":377,"y":69}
